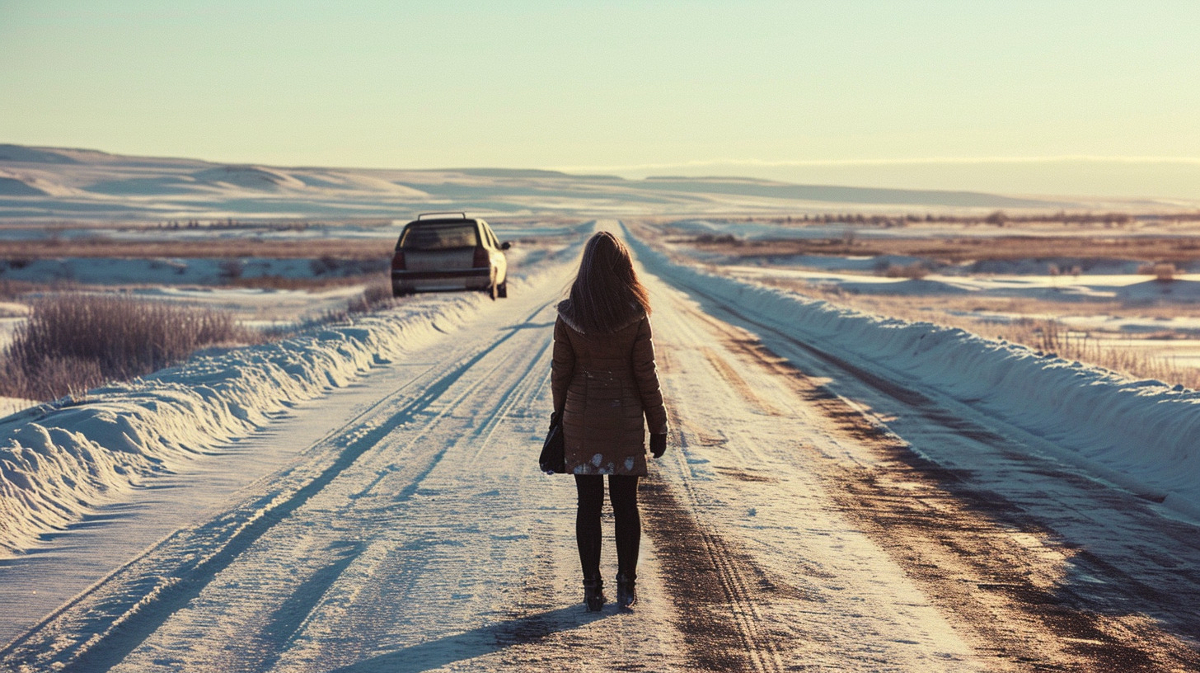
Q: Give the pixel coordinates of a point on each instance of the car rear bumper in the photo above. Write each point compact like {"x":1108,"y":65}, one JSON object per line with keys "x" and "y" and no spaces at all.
{"x":429,"y":281}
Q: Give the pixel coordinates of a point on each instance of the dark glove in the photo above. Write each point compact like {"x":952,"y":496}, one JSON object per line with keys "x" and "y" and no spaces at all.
{"x":658,"y":444}
{"x":554,"y":416}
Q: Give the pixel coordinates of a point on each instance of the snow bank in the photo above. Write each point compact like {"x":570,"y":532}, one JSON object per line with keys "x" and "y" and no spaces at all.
{"x":1144,"y":435}
{"x":58,"y":463}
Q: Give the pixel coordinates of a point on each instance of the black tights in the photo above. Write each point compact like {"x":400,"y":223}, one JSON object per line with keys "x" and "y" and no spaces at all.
{"x":622,"y":491}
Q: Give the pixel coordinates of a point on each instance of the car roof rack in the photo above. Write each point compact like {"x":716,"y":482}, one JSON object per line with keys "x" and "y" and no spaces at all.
{"x":463,"y":215}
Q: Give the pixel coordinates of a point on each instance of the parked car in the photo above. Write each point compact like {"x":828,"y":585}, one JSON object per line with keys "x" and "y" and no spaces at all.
{"x":449,"y":251}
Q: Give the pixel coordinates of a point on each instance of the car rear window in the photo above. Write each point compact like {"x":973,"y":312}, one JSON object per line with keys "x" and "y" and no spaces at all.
{"x":440,"y":237}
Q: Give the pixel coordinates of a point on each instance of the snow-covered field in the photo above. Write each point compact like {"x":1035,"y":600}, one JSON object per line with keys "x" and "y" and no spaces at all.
{"x":773,"y":229}
{"x":1135,"y":431}
{"x":210,"y":271}
{"x":1113,"y":303}
{"x":841,"y":493}
{"x":1136,"y":288}
{"x":202,"y":283}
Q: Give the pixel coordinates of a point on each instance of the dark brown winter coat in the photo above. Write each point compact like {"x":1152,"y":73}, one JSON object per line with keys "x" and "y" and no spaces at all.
{"x":605,"y":384}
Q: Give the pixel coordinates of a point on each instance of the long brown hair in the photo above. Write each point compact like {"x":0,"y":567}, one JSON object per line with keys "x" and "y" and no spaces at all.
{"x":606,"y":294}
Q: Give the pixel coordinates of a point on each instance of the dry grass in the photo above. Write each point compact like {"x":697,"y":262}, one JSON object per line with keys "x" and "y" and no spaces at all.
{"x":72,"y":342}
{"x":376,"y":296}
{"x":15,"y":289}
{"x":1053,"y":337}
{"x":914,"y":271}
{"x":1163,"y":273}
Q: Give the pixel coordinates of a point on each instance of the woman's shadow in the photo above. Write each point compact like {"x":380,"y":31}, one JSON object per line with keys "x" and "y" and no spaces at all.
{"x":477,"y":642}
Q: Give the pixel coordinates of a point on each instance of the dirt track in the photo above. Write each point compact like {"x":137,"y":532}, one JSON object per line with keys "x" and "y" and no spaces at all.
{"x":995,"y":569}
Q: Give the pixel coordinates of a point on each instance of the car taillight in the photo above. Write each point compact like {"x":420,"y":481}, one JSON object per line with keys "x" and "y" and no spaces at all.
{"x":481,"y":258}
{"x":398,"y":261}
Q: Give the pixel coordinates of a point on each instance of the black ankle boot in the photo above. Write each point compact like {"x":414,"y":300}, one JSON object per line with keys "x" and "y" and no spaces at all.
{"x":626,"y":592}
{"x":593,"y":594}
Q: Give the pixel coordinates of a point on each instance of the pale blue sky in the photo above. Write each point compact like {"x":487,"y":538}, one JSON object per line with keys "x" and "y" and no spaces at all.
{"x":1042,"y":96}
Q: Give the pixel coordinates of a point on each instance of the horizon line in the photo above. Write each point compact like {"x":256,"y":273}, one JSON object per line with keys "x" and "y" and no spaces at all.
{"x":919,"y":161}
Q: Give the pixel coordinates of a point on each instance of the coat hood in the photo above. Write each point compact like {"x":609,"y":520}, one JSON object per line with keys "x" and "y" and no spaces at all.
{"x":567,"y":313}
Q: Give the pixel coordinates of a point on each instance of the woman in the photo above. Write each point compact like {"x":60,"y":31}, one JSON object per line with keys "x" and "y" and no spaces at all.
{"x":604,"y":382}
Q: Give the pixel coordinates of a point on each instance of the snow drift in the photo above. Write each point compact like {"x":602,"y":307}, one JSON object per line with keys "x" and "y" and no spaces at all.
{"x":252,"y":177}
{"x":57,"y":463}
{"x":1144,"y":435}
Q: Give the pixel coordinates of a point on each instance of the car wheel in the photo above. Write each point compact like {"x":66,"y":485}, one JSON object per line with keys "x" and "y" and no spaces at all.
{"x":502,"y":291}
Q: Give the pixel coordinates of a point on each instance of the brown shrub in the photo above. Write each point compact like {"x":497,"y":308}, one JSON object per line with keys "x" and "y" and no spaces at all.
{"x":1162,"y":271}
{"x":717,"y":239}
{"x":914,"y":271}
{"x":373,"y":298}
{"x":231,"y":268}
{"x":72,"y":342}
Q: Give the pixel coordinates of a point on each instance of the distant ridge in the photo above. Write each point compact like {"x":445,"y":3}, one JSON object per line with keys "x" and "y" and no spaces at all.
{"x":33,"y":155}
{"x":251,"y":177}
{"x":509,"y":172}
{"x":52,"y":183}
{"x":840,"y":194}
{"x":528,"y":173}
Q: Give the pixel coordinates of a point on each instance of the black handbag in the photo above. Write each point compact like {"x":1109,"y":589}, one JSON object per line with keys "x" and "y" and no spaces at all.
{"x":553,"y":460}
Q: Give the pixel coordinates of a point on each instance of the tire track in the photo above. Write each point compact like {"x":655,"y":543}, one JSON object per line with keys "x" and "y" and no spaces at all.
{"x":964,"y":545}
{"x":397,"y":485}
{"x":98,"y":629}
{"x":738,"y":383}
{"x":409,"y":585}
{"x":518,"y":395}
{"x":715,"y":602}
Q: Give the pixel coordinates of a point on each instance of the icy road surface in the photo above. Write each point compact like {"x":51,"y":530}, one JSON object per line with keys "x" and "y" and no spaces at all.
{"x":809,"y":515}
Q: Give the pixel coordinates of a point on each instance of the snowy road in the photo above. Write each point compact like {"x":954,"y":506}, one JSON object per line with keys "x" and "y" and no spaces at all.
{"x":809,"y":515}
